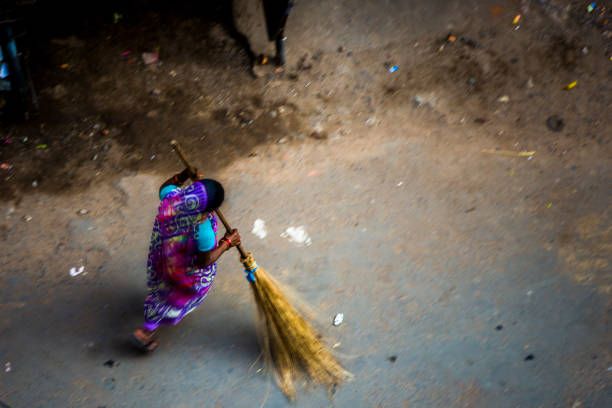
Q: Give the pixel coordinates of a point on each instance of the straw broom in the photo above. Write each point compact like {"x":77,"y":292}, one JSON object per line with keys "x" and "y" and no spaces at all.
{"x":290,"y":344}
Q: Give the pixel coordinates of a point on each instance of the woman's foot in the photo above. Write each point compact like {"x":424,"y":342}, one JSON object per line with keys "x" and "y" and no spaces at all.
{"x":144,"y":340}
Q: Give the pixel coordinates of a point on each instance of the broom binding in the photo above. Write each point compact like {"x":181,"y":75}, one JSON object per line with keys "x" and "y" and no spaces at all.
{"x":250,"y":267}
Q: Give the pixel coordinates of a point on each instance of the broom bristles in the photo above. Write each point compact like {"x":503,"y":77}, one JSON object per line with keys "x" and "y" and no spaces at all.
{"x":290,"y":344}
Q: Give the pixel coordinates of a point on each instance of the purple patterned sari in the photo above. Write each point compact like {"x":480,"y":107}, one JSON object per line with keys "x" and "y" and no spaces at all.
{"x":176,"y":284}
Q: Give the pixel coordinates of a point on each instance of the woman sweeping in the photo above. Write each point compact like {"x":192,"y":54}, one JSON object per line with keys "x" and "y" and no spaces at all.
{"x":183,"y":253}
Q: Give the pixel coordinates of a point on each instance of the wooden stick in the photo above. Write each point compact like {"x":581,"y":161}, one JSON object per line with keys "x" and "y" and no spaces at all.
{"x":179,"y":151}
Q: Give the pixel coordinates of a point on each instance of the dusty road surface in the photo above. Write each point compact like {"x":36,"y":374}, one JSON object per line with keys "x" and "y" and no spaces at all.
{"x":466,"y":240}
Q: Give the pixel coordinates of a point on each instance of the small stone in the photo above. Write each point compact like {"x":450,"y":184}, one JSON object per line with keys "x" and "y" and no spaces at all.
{"x":7,"y":367}
{"x":282,"y":140}
{"x":371,"y":121}
{"x":499,"y":327}
{"x":319,"y":135}
{"x":27,"y":218}
{"x":392,"y":359}
{"x":35,"y":184}
{"x":530,"y":83}
{"x":529,"y":357}
{"x":555,"y":123}
{"x":109,"y":383}
{"x":110,"y":363}
{"x":152,"y":114}
{"x":82,"y":211}
{"x":503,"y":99}
{"x":59,"y":91}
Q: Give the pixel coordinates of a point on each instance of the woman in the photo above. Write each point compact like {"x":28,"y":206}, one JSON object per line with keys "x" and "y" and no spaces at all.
{"x":183,"y":253}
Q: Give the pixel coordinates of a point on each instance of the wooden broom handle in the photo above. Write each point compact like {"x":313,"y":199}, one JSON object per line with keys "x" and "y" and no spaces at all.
{"x":179,"y":151}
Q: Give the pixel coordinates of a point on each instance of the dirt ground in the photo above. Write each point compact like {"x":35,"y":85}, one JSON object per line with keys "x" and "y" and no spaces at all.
{"x":459,"y":207}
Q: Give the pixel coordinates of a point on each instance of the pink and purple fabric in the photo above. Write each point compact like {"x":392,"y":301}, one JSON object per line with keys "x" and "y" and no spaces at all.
{"x":177,"y":285}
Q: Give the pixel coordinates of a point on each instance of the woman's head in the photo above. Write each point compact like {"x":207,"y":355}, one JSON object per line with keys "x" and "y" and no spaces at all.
{"x":214,"y":192}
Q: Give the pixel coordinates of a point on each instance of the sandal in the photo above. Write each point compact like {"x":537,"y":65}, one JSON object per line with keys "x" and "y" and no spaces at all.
{"x":143,"y":341}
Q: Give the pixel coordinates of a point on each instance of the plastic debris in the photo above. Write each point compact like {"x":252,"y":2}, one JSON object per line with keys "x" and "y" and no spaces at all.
{"x":517,"y":19}
{"x":259,"y":228}
{"x":510,"y":153}
{"x":5,"y":166}
{"x":336,"y":345}
{"x":338,"y":319}
{"x":7,"y":367}
{"x":27,"y":218}
{"x":571,"y":85}
{"x":150,"y":58}
{"x":401,"y":183}
{"x":451,"y":38}
{"x":42,"y":146}
{"x":82,"y":211}
{"x":591,"y":7}
{"x":74,"y":271}
{"x":126,"y":53}
{"x":555,"y":123}
{"x":35,"y":184}
{"x":263,"y":60}
{"x":503,"y":99}
{"x":297,"y":235}
{"x":65,"y":66}
{"x":393,"y":68}
{"x":549,"y":205}
{"x":117,"y":17}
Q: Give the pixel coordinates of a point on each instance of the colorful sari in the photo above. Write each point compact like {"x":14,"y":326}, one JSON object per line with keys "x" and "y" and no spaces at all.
{"x":177,"y":285}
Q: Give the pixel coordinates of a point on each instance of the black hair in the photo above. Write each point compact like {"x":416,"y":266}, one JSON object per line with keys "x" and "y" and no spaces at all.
{"x":214,"y":192}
